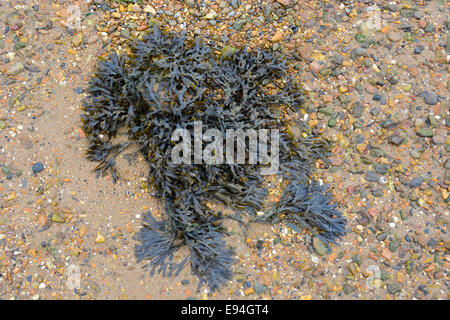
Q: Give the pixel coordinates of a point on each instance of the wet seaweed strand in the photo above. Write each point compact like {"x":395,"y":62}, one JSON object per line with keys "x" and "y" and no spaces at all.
{"x":168,"y":83}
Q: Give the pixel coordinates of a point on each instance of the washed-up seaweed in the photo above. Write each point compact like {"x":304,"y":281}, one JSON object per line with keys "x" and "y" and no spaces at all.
{"x":170,"y":82}
{"x":309,"y":205}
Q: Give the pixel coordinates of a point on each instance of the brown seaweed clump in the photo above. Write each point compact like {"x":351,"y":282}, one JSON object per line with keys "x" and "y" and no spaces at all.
{"x":168,"y":83}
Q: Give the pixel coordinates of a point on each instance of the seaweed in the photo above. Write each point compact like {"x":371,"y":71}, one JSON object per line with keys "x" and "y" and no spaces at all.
{"x":170,"y":81}
{"x":309,"y":205}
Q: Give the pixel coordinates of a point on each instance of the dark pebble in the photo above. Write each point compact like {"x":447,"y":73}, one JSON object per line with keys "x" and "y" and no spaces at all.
{"x":377,"y":193}
{"x":259,"y":288}
{"x":37,"y":167}
{"x":415,"y":182}
{"x":381,"y":236}
{"x":357,"y":259}
{"x":432,"y":243}
{"x":358,"y":109}
{"x":375,"y":111}
{"x":348,"y":288}
{"x":423,"y":289}
{"x":358,"y":52}
{"x":381,"y":168}
{"x":371,"y":176}
{"x":388,"y":124}
{"x":419,"y":49}
{"x":429,"y":97}
{"x":396,"y":139}
{"x":393,"y":246}
{"x":393,"y":288}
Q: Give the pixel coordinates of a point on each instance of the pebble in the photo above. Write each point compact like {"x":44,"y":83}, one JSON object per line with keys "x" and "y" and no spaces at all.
{"x":149,"y":9}
{"x":425,"y":132}
{"x":419,"y":122}
{"x":414,"y":71}
{"x":396,"y":140}
{"x":77,"y":39}
{"x":414,"y":154}
{"x":429,"y":97}
{"x":37,"y":167}
{"x":394,"y":36}
{"x":381,"y":236}
{"x":249,"y":291}
{"x":190,"y":3}
{"x":438,"y":139}
{"x":381,"y":168}
{"x":447,"y":163}
{"x":358,"y":52}
{"x":348,"y":288}
{"x":393,"y":288}
{"x":415,"y":182}
{"x":332,"y":123}
{"x":419,"y":49}
{"x":16,"y":69}
{"x":393,"y":246}
{"x":259,"y":288}
{"x":210,"y":15}
{"x":277,"y":36}
{"x":319,"y":246}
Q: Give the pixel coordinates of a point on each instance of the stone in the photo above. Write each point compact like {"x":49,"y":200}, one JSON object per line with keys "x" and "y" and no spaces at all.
{"x":37,"y":167}
{"x":259,"y":288}
{"x":284,"y":2}
{"x":210,"y":15}
{"x":381,"y":168}
{"x":393,"y":246}
{"x":438,"y":139}
{"x":416,"y":181}
{"x":190,"y":3}
{"x":319,"y":246}
{"x":394,"y":36}
{"x":348,"y":289}
{"x":77,"y":39}
{"x":358,"y":52}
{"x":56,"y":218}
{"x":332,"y":123}
{"x":425,"y":132}
{"x":249,"y":291}
{"x":315,"y":66}
{"x":135,"y":8}
{"x":149,"y":9}
{"x":414,"y":154}
{"x":414,"y":71}
{"x":396,"y":140}
{"x":429,"y":97}
{"x":328,"y":111}
{"x":304,"y":52}
{"x":16,"y":69}
{"x":277,"y":36}
{"x":419,"y":122}
{"x":393,"y":288}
